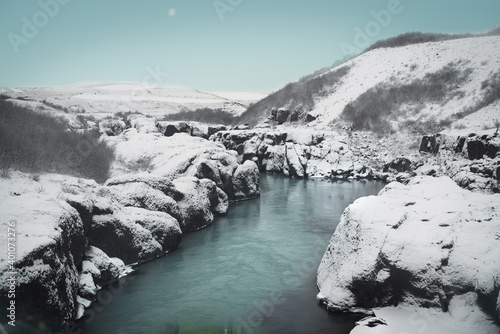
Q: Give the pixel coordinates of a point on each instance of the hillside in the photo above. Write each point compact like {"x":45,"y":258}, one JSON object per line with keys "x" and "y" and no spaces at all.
{"x":101,"y":100}
{"x":433,"y":84}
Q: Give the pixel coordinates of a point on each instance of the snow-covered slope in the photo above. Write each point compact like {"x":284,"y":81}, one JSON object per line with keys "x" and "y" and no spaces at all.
{"x":132,"y":97}
{"x":396,"y":66}
{"x":433,"y":81}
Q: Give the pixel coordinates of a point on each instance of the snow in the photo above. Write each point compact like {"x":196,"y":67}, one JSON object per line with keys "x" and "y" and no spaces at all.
{"x":161,"y":156}
{"x":416,"y":320}
{"x":392,"y":65}
{"x":102,"y":99}
{"x":481,"y":120}
{"x":441,"y":236}
{"x":35,"y":209}
{"x":240,"y":96}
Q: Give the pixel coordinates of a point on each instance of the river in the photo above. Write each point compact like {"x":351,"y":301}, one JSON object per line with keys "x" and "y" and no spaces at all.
{"x":253,"y":270}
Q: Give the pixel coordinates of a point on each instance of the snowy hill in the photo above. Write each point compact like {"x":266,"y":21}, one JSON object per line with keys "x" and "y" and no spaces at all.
{"x":429,"y":82}
{"x":156,"y":101}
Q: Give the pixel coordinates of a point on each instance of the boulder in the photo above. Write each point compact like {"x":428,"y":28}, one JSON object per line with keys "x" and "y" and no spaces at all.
{"x":157,"y":182}
{"x":171,"y":128}
{"x":250,"y":148}
{"x":246,"y":181}
{"x":302,"y":137}
{"x":112,"y":127}
{"x":398,"y":165}
{"x":50,"y":242}
{"x":429,"y":145}
{"x":200,"y":198}
{"x":414,"y":245}
{"x":280,"y":115}
{"x":164,"y":228}
{"x":141,"y":195}
{"x":122,"y":237}
{"x":310,"y":118}
{"x":104,"y":270}
{"x":83,"y":204}
{"x":274,"y":159}
{"x":296,"y":163}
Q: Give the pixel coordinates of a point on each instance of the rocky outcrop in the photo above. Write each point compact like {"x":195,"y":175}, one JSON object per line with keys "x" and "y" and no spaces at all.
{"x":472,"y":161}
{"x":141,"y":195}
{"x":371,"y":261}
{"x":79,"y":236}
{"x":246,"y":182}
{"x":297,"y":153}
{"x":200,"y":200}
{"x":112,"y":127}
{"x":49,"y":244}
{"x":472,"y":146}
{"x":192,"y":128}
{"x":135,"y":235}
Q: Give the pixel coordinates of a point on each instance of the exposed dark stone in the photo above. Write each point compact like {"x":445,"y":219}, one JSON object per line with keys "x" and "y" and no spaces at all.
{"x":280,"y":115}
{"x":294,"y":116}
{"x":216,"y":128}
{"x":310,"y":118}
{"x":398,"y":165}
{"x":460,"y":144}
{"x":475,"y":149}
{"x":174,"y":128}
{"x":429,"y":144}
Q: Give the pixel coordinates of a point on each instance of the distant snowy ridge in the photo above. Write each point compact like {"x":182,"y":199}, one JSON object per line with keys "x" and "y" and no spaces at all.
{"x":149,"y":100}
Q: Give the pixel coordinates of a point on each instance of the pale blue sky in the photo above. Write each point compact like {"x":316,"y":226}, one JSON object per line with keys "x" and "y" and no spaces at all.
{"x":243,"y":45}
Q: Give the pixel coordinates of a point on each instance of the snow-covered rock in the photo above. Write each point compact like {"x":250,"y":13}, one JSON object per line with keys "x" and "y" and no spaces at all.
{"x":422,"y":244}
{"x":246,"y":182}
{"x":142,"y":195}
{"x":103,"y":269}
{"x":49,"y":241}
{"x":200,"y":198}
{"x":297,"y":152}
{"x":418,"y":320}
{"x":471,"y":160}
{"x":164,"y":228}
{"x":134,"y":234}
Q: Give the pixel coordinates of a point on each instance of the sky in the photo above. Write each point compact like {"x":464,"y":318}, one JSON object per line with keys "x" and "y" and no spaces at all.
{"x":209,"y":45}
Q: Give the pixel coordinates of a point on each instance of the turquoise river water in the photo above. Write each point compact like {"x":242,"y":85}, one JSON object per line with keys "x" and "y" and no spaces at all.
{"x":252,"y":271}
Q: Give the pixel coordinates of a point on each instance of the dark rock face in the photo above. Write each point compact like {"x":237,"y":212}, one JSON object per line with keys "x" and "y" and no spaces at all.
{"x":310,"y":118}
{"x":280,"y":115}
{"x":294,"y":116}
{"x":398,"y":165}
{"x":477,"y":148}
{"x":429,"y":144}
{"x":172,"y":129}
{"x":214,"y":129}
